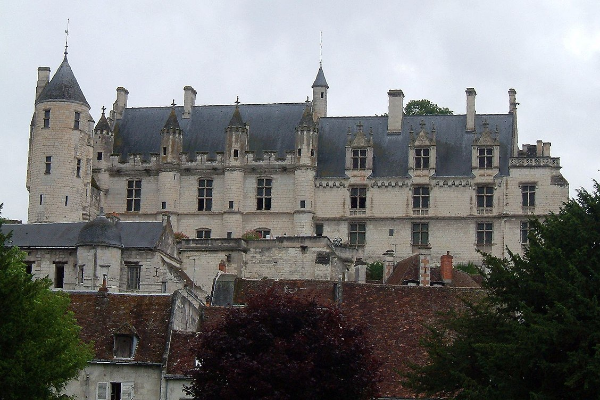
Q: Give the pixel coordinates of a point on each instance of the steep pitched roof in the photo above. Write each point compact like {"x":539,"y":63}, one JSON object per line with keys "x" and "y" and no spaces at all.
{"x":101,"y":316}
{"x":63,"y":87}
{"x":66,"y":234}
{"x":320,"y":80}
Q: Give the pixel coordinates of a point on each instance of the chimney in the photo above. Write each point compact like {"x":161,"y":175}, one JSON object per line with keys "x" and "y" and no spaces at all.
{"x":360,"y":271}
{"x":103,"y":290}
{"x":43,"y":79}
{"x":424,"y":266}
{"x":223,"y":266}
{"x":446,"y":268}
{"x":512,"y":101}
{"x":470,"y":109}
{"x":546,"y":149}
{"x":539,"y":147}
{"x":389,"y":265}
{"x":189,"y":101}
{"x":120,"y":104}
{"x":395,"y":110}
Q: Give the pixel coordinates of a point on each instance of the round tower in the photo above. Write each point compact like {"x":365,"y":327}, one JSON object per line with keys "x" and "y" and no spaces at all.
{"x":60,"y":149}
{"x":319,"y":88}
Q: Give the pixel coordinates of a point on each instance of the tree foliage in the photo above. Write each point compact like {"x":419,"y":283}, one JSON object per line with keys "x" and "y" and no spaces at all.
{"x":536,"y":334}
{"x":425,"y":107}
{"x":281,"y":347}
{"x":40,"y":349}
{"x":375,"y":271}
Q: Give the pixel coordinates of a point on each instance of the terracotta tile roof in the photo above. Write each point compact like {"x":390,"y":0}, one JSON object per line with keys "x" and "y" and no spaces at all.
{"x":101,"y":316}
{"x":181,"y":357}
{"x":407,"y":270}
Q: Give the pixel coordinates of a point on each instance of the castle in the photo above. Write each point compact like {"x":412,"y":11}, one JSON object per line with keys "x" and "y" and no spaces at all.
{"x":373,"y":183}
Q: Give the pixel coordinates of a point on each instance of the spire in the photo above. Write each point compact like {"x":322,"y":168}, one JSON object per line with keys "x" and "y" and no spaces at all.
{"x":63,"y":86}
{"x":236,"y":118}
{"x":320,"y":80}
{"x":172,"y":124}
{"x":307,"y":117}
{"x":102,"y":126}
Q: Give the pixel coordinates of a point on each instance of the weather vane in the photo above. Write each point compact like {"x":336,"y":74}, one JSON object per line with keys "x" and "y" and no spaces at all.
{"x":67,"y":37}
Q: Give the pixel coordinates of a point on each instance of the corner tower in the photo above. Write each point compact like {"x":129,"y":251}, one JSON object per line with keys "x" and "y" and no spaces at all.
{"x":59,"y":169}
{"x":319,"y":88}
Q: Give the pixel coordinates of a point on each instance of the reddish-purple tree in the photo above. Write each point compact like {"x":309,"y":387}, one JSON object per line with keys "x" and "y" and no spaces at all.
{"x":281,"y":347}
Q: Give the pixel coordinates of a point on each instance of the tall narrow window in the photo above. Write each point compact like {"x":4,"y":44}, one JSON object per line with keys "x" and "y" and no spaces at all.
{"x":485,"y":157}
{"x":78,"y":168}
{"x":263,"y":193}
{"x":528,"y":195}
{"x":48,"y":165}
{"x":485,"y":196}
{"x":358,"y":198}
{"x":485,"y":232}
{"x":99,"y":156}
{"x":205,"y":192}
{"x":46,"y":118}
{"x":133,"y":276}
{"x":59,"y":275}
{"x":421,"y":158}
{"x":134,"y":194}
{"x":420,"y":198}
{"x":80,"y":274}
{"x":66,"y":201}
{"x":318,"y":229}
{"x":357,"y":233}
{"x":524,"y":232}
{"x":29,"y":267}
{"x":359,"y":159}
{"x":76,"y":120}
{"x":420,"y":233}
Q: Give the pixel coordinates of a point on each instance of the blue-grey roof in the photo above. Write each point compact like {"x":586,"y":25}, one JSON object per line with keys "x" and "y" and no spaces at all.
{"x":63,"y":87}
{"x":390,"y":159}
{"x":133,"y":234}
{"x":100,"y":232}
{"x":320,"y":80}
{"x":271,"y":128}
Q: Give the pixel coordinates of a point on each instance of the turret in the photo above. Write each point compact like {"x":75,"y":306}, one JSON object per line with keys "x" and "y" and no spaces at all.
{"x":60,"y":152}
{"x":304,"y":174}
{"x":236,"y":138}
{"x":320,"y":87}
{"x":306,"y":138}
{"x":171,"y":139}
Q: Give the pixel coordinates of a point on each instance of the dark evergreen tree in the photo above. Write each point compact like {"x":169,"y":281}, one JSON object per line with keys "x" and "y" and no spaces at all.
{"x":40,"y":349}
{"x":281,"y":347}
{"x":536,"y":332}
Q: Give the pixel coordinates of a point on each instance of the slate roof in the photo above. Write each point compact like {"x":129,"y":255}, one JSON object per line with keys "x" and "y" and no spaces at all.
{"x":101,"y":315}
{"x":100,"y":232}
{"x":272,"y":128}
{"x":63,"y":87}
{"x":320,"y":80}
{"x":395,"y":317}
{"x":133,"y":234}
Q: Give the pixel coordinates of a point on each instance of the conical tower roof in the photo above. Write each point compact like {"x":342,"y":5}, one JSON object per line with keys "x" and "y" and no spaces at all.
{"x":236,"y":118}
{"x":307,"y":117}
{"x":63,"y":87}
{"x":102,"y":125}
{"x":320,"y":80}
{"x":172,"y":123}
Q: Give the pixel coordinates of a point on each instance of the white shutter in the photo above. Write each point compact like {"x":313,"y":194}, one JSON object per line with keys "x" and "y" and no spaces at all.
{"x":102,"y":391}
{"x":126,"y":390}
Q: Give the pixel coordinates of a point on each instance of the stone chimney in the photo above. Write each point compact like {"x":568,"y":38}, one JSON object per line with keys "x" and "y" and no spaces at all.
{"x":120,"y":104}
{"x":222,"y":266}
{"x":395,"y":110}
{"x":470,"y":109}
{"x":512,"y":101}
{"x":388,"y":268}
{"x":425,"y":266}
{"x":43,"y":79}
{"x":360,"y":271}
{"x":189,"y":101}
{"x":446,"y":268}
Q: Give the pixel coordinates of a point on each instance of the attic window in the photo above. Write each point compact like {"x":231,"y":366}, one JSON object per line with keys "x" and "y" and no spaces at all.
{"x":124,"y":346}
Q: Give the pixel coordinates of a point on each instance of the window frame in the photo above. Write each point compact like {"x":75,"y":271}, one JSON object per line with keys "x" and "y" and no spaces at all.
{"x":485,"y":157}
{"x":422,"y":158}
{"x":48,"y":165}
{"x":134,"y":195}
{"x":134,"y":276}
{"x":264,"y":232}
{"x":358,"y":198}
{"x":484,"y":196}
{"x":46,"y":119}
{"x":419,"y":233}
{"x":484,"y":235}
{"x":77,"y":120}
{"x":421,"y":197}
{"x":359,"y":159}
{"x":78,"y":167}
{"x":528,"y":195}
{"x":264,"y":194}
{"x":205,"y":194}
{"x":357,"y":233}
{"x":203,"y":233}
{"x":524,"y":229}
{"x":59,"y":275}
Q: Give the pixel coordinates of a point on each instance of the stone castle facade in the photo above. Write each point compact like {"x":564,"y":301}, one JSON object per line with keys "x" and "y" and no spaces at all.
{"x":456,"y":183}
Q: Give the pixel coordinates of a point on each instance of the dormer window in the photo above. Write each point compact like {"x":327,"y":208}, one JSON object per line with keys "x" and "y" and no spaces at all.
{"x":485,"y":157}
{"x":422,"y":158}
{"x":124,"y":346}
{"x":359,"y":159}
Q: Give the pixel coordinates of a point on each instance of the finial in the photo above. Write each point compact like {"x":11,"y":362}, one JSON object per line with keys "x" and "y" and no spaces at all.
{"x":103,"y":109}
{"x":173,"y":103}
{"x":237,"y":101}
{"x":321,"y":50}
{"x":360,"y":126}
{"x":422,"y":124}
{"x":307,"y":100}
{"x":67,"y":37}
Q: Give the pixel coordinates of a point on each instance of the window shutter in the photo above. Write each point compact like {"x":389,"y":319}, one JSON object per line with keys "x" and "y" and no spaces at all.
{"x":127,"y":391}
{"x":102,"y":391}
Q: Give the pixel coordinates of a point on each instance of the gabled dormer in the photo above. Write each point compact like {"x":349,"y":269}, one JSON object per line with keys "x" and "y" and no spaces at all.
{"x":422,"y":152}
{"x":125,"y":341}
{"x":306,"y":138}
{"x":485,"y":155}
{"x":171,"y":142}
{"x":236,"y":138}
{"x":359,"y":153}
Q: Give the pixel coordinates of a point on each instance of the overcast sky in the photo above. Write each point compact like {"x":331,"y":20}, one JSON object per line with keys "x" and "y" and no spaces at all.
{"x":268,"y":52}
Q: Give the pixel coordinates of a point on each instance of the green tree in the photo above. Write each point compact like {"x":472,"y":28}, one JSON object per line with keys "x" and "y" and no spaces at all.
{"x":283,"y":348}
{"x":40,"y":349}
{"x":536,"y":332}
{"x":375,"y":271}
{"x":425,"y":107}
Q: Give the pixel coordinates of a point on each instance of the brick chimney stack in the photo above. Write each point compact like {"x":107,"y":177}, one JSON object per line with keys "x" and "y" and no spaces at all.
{"x":446,"y":268}
{"x":388,"y":268}
{"x":425,"y":266}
